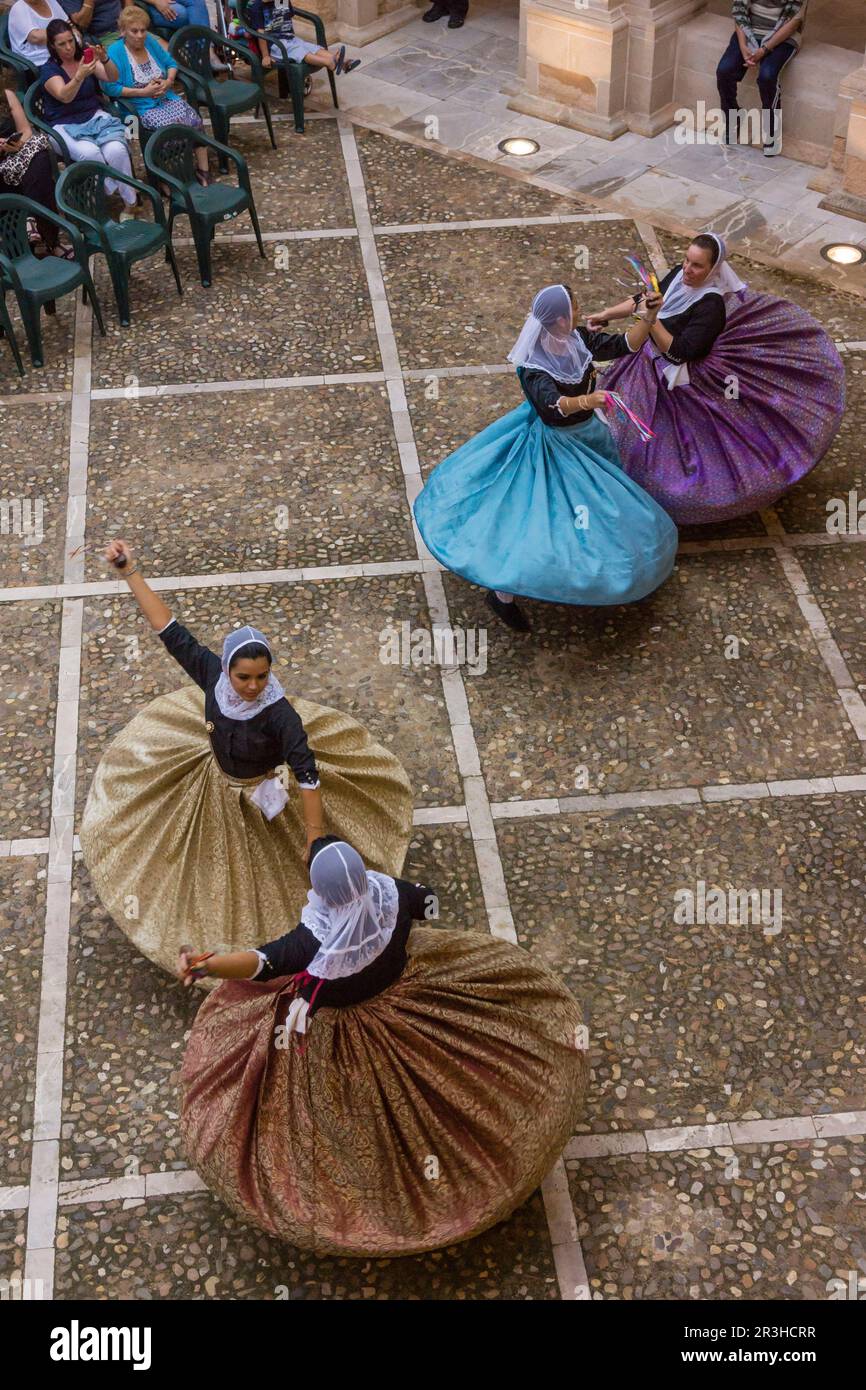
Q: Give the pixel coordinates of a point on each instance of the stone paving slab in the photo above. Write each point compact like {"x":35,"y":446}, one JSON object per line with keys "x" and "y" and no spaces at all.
{"x":408,"y":184}
{"x":835,"y":575}
{"x":326,"y":641}
{"x":697,"y":1022}
{"x":769,"y":1221}
{"x":29,"y":645}
{"x":459,"y":298}
{"x":22,"y":909}
{"x":446,"y":411}
{"x":261,"y":318}
{"x":120,"y":1094}
{"x":57,"y":338}
{"x":644,"y":696}
{"x":813,"y":502}
{"x":34,"y":445}
{"x":443,"y":858}
{"x":193,"y":1248}
{"x":13,"y":1235}
{"x":301,"y":184}
{"x":265,"y":496}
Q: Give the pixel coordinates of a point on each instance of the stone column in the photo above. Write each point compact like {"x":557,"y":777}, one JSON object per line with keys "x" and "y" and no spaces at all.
{"x":844,"y":180}
{"x":601,"y":66}
{"x":361,"y":21}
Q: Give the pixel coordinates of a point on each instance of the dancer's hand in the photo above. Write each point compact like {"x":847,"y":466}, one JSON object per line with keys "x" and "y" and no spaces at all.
{"x":117,"y":550}
{"x":312,"y":836}
{"x":595,"y":322}
{"x":185,"y":972}
{"x":652,"y":304}
{"x":596,"y":400}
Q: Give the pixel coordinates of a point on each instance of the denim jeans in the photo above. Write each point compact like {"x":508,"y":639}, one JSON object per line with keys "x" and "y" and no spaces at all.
{"x":732,"y":70}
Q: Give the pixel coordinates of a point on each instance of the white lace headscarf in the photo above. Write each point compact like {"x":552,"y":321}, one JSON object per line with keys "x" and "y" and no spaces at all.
{"x":230,"y":703}
{"x":350,"y":910}
{"x":721,"y":280}
{"x":547,"y":341}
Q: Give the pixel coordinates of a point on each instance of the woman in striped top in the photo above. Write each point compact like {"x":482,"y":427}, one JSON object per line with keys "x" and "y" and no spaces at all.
{"x":768,"y":34}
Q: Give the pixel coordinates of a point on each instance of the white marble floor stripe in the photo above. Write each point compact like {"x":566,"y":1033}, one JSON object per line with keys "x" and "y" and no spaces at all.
{"x":47,"y":1106}
{"x":568,"y":1256}
{"x":730,"y":1134}
{"x":828,"y":649}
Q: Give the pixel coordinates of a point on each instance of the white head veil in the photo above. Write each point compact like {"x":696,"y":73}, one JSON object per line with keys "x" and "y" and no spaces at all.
{"x":350,"y":910}
{"x":721,"y":280}
{"x":547,"y":341}
{"x":230,"y":703}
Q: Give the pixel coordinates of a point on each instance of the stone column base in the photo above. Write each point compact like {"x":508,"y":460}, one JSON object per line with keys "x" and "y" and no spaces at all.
{"x":589,"y":122}
{"x":361,"y":34}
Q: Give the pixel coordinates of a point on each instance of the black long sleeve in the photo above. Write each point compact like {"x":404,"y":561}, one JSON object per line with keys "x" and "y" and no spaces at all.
{"x":288,"y":728}
{"x":696,"y":329}
{"x":200,"y":663}
{"x":605,"y":347}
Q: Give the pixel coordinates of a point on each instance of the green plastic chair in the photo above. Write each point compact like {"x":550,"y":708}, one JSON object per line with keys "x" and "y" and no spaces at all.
{"x":8,"y":332}
{"x":81,"y":195}
{"x":35,"y":282}
{"x":33,"y":102}
{"x":191,"y":47}
{"x":291,"y":75}
{"x":170,"y":157}
{"x":26,"y":70}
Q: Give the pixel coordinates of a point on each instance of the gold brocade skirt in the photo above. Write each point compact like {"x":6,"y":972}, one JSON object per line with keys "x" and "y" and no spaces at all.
{"x":180,"y":855}
{"x":418,"y":1118}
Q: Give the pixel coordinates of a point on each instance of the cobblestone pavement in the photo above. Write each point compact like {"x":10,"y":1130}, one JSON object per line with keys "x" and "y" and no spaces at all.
{"x":568,"y":788}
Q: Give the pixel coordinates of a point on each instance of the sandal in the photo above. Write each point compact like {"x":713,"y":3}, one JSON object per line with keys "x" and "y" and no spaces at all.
{"x":351,"y":65}
{"x":66,"y":253}
{"x":341,"y":58}
{"x":205,"y":179}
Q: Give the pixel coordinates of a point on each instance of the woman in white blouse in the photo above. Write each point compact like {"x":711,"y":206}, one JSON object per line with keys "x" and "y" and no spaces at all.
{"x":28,"y":20}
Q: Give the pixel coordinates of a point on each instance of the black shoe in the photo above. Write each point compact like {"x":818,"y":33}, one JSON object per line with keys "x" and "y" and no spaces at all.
{"x":511,"y":615}
{"x":435,"y":12}
{"x":455,"y":22}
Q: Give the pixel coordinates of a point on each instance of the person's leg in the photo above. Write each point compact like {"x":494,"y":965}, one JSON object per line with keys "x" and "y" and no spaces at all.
{"x":729,"y":74}
{"x":458,"y":9}
{"x":38,"y":184}
{"x":194,"y":12}
{"x":116,"y":155}
{"x":770,"y":88}
{"x":438,"y":10}
{"x":505,"y":608}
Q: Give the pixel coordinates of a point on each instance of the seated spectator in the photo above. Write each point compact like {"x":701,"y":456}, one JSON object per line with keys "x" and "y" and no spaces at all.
{"x":73,"y":105}
{"x":96,"y":19}
{"x":766,"y":37}
{"x":176,"y":14}
{"x":143,"y":73}
{"x":28,"y":20}
{"x":25,"y":167}
{"x":278,"y":20}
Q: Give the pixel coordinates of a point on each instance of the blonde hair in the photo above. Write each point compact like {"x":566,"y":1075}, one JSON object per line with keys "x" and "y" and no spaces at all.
{"x":132,"y":15}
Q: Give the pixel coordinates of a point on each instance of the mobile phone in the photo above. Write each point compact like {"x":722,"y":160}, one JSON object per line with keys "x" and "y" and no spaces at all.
{"x":88,"y":55}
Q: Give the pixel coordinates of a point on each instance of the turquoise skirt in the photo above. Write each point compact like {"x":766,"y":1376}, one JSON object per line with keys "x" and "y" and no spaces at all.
{"x":546,"y":512}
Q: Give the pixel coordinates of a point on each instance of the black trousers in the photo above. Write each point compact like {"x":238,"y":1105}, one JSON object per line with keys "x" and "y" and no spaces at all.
{"x":38,"y":184}
{"x":457,"y":8}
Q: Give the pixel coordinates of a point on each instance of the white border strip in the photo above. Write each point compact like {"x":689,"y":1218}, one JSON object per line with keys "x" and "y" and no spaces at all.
{"x":48,"y":1101}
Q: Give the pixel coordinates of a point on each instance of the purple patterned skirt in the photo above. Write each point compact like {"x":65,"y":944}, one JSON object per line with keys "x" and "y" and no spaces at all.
{"x":760,"y":411}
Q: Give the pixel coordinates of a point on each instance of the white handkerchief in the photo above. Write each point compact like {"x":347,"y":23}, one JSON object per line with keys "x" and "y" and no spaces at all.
{"x":677,"y":375}
{"x":270,"y":796}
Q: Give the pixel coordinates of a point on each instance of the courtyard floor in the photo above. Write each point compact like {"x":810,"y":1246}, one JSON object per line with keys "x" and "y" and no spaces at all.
{"x":563,"y":796}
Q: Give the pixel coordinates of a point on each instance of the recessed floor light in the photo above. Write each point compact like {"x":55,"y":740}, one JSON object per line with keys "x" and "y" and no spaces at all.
{"x":843,"y":253}
{"x":519,"y":144}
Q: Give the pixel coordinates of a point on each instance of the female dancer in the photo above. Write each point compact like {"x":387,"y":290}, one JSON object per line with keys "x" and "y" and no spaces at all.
{"x":437,"y":1080}
{"x":192,"y":828}
{"x":537,"y":504}
{"x":744,"y":392}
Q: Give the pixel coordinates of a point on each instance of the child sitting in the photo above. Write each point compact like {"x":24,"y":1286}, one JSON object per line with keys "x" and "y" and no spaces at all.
{"x":276,"y":18}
